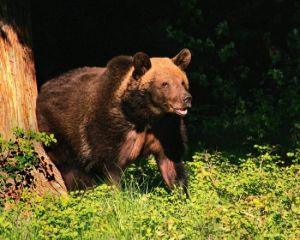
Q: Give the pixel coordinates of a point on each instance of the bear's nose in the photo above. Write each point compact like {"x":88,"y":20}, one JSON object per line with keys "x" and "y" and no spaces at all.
{"x":188,"y":99}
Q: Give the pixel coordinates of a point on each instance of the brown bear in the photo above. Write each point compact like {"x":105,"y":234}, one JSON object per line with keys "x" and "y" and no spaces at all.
{"x":105,"y":118}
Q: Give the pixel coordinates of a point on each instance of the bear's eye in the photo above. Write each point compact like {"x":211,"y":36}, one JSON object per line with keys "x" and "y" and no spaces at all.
{"x":182,"y":83}
{"x":165,"y":84}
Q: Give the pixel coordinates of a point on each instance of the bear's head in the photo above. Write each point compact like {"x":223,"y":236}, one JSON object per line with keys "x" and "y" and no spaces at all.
{"x":164,"y":81}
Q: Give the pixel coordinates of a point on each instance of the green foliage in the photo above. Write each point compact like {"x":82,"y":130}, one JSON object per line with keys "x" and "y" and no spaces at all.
{"x":17,"y":159}
{"x":255,"y":198}
{"x":244,"y":80}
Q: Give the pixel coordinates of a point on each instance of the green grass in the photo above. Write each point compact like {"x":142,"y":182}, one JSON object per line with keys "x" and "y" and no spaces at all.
{"x":253,"y":198}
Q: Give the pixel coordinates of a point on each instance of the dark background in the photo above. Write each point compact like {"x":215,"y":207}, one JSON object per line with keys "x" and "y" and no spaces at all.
{"x":246,"y":58}
{"x":69,"y":34}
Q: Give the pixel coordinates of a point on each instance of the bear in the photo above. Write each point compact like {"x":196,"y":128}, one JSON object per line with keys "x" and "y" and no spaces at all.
{"x":106,"y":118}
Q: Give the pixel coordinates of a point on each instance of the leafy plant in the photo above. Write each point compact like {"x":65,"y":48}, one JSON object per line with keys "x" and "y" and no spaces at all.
{"x":17,"y":160}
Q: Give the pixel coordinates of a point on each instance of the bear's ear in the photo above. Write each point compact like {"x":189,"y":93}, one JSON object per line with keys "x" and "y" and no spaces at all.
{"x":141,"y":64}
{"x":183,"y":58}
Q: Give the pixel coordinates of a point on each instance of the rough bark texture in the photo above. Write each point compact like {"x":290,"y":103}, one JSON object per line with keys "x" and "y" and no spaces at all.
{"x":18,"y":87}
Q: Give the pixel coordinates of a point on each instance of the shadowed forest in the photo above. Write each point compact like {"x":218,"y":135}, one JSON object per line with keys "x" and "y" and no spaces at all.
{"x":244,"y":72}
{"x":243,"y":127}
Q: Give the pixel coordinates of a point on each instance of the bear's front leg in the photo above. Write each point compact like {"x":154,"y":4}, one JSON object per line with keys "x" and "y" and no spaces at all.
{"x":173,"y":173}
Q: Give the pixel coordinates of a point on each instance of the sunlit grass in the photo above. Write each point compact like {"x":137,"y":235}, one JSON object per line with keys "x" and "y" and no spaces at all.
{"x":254,"y":199}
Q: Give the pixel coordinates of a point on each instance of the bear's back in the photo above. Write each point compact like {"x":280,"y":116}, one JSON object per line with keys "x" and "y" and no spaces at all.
{"x":70,"y":92}
{"x":72,"y":82}
{"x":65,"y":102}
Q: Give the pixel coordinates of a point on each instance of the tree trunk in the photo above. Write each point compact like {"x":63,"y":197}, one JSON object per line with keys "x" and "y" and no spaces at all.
{"x":18,"y":86}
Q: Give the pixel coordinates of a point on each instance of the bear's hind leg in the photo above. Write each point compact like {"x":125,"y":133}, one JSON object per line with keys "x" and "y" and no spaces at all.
{"x":113,"y":174}
{"x":76,"y":179}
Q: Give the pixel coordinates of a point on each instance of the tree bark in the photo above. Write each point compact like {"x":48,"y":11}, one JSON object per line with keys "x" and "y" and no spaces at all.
{"x":18,"y":86}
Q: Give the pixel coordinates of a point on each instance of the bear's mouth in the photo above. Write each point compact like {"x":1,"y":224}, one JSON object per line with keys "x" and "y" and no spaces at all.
{"x":181,"y":111}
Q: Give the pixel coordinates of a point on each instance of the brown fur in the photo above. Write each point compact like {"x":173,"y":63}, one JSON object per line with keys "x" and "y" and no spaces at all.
{"x":105,"y":118}
{"x":164,"y":68}
{"x":131,"y":148}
